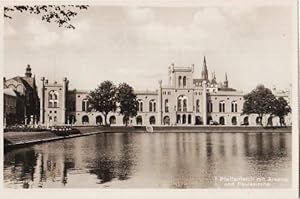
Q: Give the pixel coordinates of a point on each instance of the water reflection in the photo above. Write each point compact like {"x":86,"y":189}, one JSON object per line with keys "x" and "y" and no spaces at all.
{"x":158,"y":160}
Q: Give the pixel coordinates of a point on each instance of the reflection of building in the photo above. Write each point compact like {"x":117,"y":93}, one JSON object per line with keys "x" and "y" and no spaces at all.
{"x":185,"y":100}
{"x":21,"y":99}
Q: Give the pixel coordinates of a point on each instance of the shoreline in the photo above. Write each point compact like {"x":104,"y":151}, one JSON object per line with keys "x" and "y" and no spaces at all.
{"x":14,"y":140}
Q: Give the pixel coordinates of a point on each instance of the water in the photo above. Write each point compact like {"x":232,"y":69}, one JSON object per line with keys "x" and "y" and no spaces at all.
{"x":154,"y":160}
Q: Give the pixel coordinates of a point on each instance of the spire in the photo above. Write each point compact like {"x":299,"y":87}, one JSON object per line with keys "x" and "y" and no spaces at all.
{"x":204,"y":73}
{"x":214,"y":80}
{"x":28,"y":71}
{"x":226,"y":81}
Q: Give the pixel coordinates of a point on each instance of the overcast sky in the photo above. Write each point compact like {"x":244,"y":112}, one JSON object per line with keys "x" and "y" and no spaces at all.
{"x":253,"y":44}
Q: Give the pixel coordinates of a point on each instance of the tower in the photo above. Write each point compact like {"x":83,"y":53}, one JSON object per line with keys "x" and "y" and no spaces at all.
{"x":204,"y":74}
{"x":226,"y":81}
{"x":28,"y":71}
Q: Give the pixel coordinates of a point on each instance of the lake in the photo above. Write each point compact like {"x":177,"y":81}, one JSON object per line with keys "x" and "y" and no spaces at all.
{"x":154,"y":160}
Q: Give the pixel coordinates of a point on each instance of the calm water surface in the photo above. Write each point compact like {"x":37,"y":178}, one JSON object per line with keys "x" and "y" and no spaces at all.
{"x":157,"y":160}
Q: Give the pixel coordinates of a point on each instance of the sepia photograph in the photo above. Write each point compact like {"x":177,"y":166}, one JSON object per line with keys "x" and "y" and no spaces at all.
{"x":153,"y":96}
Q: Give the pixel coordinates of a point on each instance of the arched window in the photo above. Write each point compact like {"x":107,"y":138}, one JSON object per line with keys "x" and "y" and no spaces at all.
{"x":166,"y":120}
{"x":222,"y":120}
{"x":182,"y":103}
{"x":152,"y":106}
{"x":112,"y":120}
{"x":184,"y":82}
{"x":99,"y":120}
{"x":222,"y":106}
{"x":258,"y":121}
{"x":234,"y":106}
{"x":183,"y":119}
{"x":246,"y":120}
{"x":166,"y":105}
{"x":179,"y":104}
{"x":234,"y":121}
{"x":139,"y":120}
{"x":53,"y":99}
{"x":85,"y":119}
{"x":140,"y":105}
{"x":152,"y":120}
{"x":179,"y":81}
{"x":85,"y":105}
{"x":197,"y":105}
{"x":189,"y":119}
{"x":209,"y":107}
{"x":198,"y":120}
{"x":178,"y":119}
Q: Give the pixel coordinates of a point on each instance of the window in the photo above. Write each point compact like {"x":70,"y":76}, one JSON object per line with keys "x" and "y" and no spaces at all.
{"x":222,"y":106}
{"x":234,"y":106}
{"x":182,"y":103}
{"x":140,"y":105}
{"x":85,"y":105}
{"x":184,"y":81}
{"x":152,"y":106}
{"x":209,"y":107}
{"x":179,"y":81}
{"x":166,"y":105}
{"x":53,"y":99}
{"x":197,"y":105}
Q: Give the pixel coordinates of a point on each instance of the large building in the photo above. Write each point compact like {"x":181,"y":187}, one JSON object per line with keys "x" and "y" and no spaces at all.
{"x":21,"y":100}
{"x":184,"y":100}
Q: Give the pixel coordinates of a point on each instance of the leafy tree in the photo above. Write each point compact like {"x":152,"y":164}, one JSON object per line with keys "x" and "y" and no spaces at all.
{"x":259,"y":101}
{"x":60,"y":14}
{"x":103,"y":98}
{"x":127,"y":101}
{"x":281,"y":109}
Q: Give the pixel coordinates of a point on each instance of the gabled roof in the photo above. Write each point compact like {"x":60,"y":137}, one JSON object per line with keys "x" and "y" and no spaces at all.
{"x":10,"y":92}
{"x":28,"y":82}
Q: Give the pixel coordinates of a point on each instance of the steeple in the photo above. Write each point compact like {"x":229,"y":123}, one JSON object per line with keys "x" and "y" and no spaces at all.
{"x":226,"y":81}
{"x":28,"y":71}
{"x":214,"y":79}
{"x":204,"y":74}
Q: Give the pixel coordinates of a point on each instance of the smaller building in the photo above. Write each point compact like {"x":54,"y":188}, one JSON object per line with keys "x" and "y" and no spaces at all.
{"x":22,"y":94}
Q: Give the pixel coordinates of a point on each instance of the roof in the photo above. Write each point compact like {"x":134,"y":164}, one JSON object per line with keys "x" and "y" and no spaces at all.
{"x":28,"y":82}
{"x":10,"y":92}
{"x":226,"y":89}
{"x":146,"y":92}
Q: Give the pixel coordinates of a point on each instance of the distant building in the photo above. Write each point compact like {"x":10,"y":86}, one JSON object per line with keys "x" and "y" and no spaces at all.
{"x":21,"y":101}
{"x":185,"y":100}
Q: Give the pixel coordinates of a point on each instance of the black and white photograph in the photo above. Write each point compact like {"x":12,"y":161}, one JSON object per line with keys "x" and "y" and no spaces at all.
{"x":150,"y":96}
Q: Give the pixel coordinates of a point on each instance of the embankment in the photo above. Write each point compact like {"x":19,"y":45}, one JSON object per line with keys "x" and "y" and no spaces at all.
{"x":20,"y":139}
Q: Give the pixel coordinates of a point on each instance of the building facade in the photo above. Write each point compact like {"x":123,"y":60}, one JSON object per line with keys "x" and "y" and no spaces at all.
{"x":21,"y":100}
{"x":184,"y":100}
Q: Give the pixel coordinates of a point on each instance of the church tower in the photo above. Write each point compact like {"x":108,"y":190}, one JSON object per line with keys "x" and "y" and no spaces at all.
{"x":204,"y":74}
{"x":28,"y":71}
{"x":226,"y":81}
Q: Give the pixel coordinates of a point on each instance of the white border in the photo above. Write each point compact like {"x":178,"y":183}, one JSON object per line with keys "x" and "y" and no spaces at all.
{"x":167,"y":193}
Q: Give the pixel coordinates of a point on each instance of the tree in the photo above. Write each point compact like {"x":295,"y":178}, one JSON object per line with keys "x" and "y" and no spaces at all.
{"x":281,"y":109}
{"x":60,"y":14}
{"x":127,"y":101}
{"x":103,"y":98}
{"x":259,"y":101}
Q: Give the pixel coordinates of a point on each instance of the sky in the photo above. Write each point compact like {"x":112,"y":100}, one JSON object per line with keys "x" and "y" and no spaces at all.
{"x":136,"y":45}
